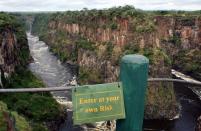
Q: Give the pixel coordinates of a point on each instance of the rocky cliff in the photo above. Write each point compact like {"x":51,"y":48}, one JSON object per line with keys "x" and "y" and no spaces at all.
{"x":22,"y":111}
{"x":14,"y":50}
{"x":97,"y":39}
{"x":14,"y":54}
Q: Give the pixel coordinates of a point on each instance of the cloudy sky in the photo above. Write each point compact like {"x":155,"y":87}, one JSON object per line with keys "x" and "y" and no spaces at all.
{"x":62,"y":5}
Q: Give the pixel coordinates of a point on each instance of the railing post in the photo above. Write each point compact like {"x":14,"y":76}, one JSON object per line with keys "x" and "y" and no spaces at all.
{"x":134,"y":76}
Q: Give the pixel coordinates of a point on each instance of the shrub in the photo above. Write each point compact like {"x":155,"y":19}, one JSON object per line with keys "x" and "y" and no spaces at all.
{"x":113,"y":26}
{"x":85,"y":44}
{"x":38,"y":108}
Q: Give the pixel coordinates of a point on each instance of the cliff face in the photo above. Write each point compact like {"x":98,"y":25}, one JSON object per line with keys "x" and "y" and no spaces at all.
{"x":96,"y":40}
{"x":173,"y":34}
{"x":14,"y":54}
{"x":182,"y":41}
{"x":99,"y":34}
{"x":8,"y":51}
{"x":14,"y":50}
{"x":187,"y":30}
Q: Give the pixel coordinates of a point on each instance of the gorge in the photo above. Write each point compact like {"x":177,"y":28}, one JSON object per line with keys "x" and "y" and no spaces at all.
{"x":22,"y":111}
{"x":97,"y":39}
{"x":94,"y":41}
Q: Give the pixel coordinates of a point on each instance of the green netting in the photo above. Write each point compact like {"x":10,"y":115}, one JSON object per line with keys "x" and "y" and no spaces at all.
{"x":133,"y":74}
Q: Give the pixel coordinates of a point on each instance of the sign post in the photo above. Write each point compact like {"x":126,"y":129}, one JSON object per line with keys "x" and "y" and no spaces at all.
{"x":133,"y":75}
{"x":92,"y":103}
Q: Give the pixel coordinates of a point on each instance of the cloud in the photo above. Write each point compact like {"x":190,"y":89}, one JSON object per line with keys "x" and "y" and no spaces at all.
{"x":168,"y":4}
{"x":62,"y":5}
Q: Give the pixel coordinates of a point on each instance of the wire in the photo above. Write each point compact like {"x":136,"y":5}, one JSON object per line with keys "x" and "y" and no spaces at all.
{"x":174,"y":80}
{"x":49,"y":89}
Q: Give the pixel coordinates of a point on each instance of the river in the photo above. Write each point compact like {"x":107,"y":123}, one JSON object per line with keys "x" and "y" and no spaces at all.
{"x":47,"y":66}
{"x":53,"y":73}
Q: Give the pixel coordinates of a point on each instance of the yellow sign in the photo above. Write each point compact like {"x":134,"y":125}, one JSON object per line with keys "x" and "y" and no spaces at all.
{"x":98,"y":103}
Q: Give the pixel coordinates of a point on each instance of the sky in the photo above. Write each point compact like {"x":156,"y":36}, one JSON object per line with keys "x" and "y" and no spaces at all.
{"x":63,"y":5}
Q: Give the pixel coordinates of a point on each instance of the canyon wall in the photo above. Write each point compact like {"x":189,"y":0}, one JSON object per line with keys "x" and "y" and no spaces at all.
{"x":10,"y":50}
{"x":14,"y":50}
{"x":23,"y":111}
{"x":14,"y":54}
{"x":97,"y":39}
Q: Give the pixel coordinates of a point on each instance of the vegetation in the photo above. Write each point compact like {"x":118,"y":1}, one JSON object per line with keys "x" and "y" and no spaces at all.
{"x":30,"y":111}
{"x":7,"y":21}
{"x":174,"y":13}
{"x":131,"y":48}
{"x":189,"y":62}
{"x":114,"y":26}
{"x":175,"y":40}
{"x":142,"y":25}
{"x":10,"y":22}
{"x":21,"y":123}
{"x":89,"y":76}
{"x":140,"y":20}
{"x":160,"y":101}
{"x":85,"y":44}
{"x":40,"y":24}
{"x":29,"y":104}
{"x":154,"y":54}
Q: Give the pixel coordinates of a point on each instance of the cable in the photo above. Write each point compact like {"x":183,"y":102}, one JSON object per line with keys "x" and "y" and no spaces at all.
{"x":49,"y":89}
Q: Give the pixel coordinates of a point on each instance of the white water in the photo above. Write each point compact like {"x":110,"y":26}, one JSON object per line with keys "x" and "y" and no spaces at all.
{"x":54,"y":74}
{"x":49,"y":68}
{"x":196,"y":90}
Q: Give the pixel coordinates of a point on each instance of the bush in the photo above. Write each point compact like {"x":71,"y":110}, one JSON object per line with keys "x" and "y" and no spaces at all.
{"x":131,"y":48}
{"x":20,"y":124}
{"x":175,"y":39}
{"x":39,"y":127}
{"x":38,"y":108}
{"x":113,"y":26}
{"x":109,"y":50}
{"x":85,"y":44}
{"x":89,"y":76}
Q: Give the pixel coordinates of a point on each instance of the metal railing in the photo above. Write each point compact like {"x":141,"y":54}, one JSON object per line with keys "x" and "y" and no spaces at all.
{"x":49,"y":89}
